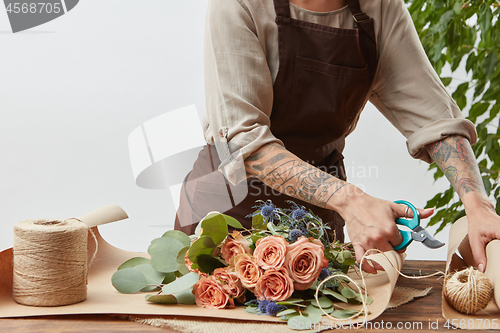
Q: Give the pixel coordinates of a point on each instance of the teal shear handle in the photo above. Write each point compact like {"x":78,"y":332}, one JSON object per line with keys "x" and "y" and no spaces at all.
{"x":412,"y":224}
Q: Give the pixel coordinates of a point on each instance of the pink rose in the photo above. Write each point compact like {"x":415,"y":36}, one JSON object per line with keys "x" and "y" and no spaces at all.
{"x":209,"y":293}
{"x":247,"y":269}
{"x":270,"y":251}
{"x":304,"y":260}
{"x":274,"y":285}
{"x":230,"y":281}
{"x":234,"y":246}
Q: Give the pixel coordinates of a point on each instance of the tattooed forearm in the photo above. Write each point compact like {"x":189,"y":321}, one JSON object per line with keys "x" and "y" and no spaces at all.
{"x":286,"y":173}
{"x":455,"y":157}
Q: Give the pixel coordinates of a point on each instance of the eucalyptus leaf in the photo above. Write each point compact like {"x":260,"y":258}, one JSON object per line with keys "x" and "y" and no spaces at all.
{"x":335,"y":294}
{"x":286,"y":312}
{"x":185,"y":282}
{"x":315,"y":310}
{"x":181,"y":256}
{"x":323,"y":301}
{"x":302,"y":322}
{"x":179,"y":235}
{"x":348,"y":293}
{"x":164,"y":253}
{"x":169,"y":277}
{"x":360,"y":297}
{"x":153,"y":277}
{"x":136,"y":261}
{"x":161,"y":299}
{"x":252,"y":310}
{"x":129,"y":280}
{"x":343,"y":314}
{"x":181,"y":268}
{"x":185,"y":297}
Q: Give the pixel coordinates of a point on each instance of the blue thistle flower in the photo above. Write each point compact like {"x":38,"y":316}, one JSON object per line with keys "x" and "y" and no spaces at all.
{"x":298,"y":213}
{"x":295,"y":234}
{"x":324,"y":274}
{"x":263,"y":305}
{"x":267,"y":210}
{"x":273,"y":308}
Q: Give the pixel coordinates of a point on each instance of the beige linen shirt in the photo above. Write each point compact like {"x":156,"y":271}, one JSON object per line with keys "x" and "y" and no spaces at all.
{"x":241,"y":64}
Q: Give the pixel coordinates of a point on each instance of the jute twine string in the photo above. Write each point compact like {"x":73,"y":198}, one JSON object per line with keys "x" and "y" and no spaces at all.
{"x":468,"y":290}
{"x":50,"y":262}
{"x":362,"y":289}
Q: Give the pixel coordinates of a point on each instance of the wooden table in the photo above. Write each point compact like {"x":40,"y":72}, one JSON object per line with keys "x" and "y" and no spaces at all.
{"x":416,"y":316}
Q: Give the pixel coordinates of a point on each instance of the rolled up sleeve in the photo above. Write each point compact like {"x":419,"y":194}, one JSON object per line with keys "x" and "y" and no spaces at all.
{"x":238,"y":86}
{"x":407,"y":90}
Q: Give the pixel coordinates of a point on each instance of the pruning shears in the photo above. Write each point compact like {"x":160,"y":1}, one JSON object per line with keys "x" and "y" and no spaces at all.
{"x":417,"y":232}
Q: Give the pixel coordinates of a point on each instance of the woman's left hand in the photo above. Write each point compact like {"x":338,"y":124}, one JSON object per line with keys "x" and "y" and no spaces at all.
{"x":484,"y":226}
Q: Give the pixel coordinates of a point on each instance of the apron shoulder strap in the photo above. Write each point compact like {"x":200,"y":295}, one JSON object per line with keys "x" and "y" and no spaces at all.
{"x":360,"y":17}
{"x":282,"y":8}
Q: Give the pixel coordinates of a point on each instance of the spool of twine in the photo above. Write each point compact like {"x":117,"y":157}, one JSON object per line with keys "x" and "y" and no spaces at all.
{"x":50,"y":262}
{"x":468,"y":290}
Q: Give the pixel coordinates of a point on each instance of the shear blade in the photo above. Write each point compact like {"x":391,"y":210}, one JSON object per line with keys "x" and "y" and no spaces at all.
{"x":421,"y":235}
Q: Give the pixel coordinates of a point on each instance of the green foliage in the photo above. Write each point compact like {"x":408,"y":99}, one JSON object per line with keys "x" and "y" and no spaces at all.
{"x":167,"y":273}
{"x":181,"y":284}
{"x":179,"y":235}
{"x":129,"y":280}
{"x":164,"y":253}
{"x":132,"y":262}
{"x":466,"y":32}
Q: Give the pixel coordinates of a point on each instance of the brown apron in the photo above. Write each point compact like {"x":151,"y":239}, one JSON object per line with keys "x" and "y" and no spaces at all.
{"x":323,"y":81}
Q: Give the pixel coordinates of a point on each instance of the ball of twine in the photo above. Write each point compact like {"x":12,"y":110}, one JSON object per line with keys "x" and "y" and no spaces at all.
{"x":50,"y":262}
{"x":468,"y":290}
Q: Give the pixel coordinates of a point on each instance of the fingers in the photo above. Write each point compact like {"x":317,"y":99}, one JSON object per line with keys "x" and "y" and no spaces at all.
{"x":478,"y":252}
{"x":425,"y":213}
{"x":364,"y":265}
{"x":405,"y":211}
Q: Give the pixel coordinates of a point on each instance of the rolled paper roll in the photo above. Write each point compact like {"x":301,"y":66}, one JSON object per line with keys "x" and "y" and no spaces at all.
{"x":50,"y":262}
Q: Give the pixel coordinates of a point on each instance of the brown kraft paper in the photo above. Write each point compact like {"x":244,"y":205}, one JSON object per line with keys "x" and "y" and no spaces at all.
{"x":102,"y":298}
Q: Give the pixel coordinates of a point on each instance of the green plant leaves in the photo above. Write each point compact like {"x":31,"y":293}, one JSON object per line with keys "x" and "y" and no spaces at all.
{"x":136,"y":261}
{"x":164,"y":253}
{"x":153,"y":277}
{"x":208,"y":263}
{"x":214,"y":226}
{"x":465,"y":32}
{"x":179,"y":235}
{"x":129,"y":280}
{"x":302,"y":322}
{"x":204,"y":245}
{"x":335,"y":295}
{"x":323,"y":301}
{"x":185,"y":297}
{"x":258,"y":222}
{"x":161,"y":299}
{"x":185,"y":282}
{"x":231,"y":221}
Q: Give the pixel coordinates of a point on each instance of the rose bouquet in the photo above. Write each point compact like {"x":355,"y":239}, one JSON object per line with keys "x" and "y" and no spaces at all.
{"x":277,"y":268}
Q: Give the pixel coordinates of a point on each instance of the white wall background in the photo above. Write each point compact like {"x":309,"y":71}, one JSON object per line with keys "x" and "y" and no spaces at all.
{"x":73,"y":89}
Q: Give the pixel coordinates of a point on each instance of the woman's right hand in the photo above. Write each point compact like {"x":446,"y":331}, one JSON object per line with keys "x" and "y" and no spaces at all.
{"x":370,"y":223}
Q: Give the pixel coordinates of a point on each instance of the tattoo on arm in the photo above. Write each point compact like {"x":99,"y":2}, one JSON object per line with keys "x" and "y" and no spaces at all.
{"x":455,"y":157}
{"x":290,"y":175}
